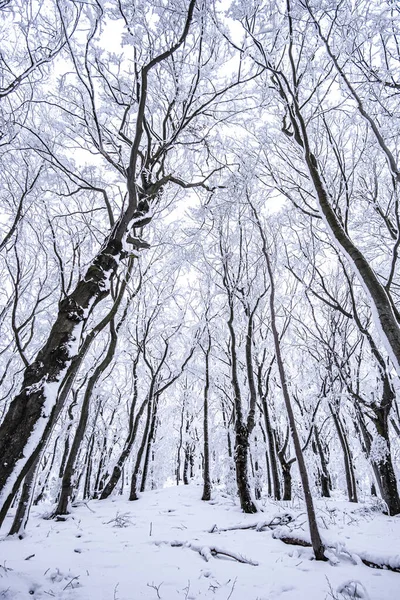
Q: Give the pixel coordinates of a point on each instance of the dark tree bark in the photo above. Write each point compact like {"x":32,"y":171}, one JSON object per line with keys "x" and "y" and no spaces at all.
{"x":133,"y":495}
{"x":225,"y":421}
{"x":267,"y":462}
{"x":88,"y":468}
{"x":270,"y":434}
{"x":286,"y":465}
{"x":287,"y":481}
{"x":241,"y":453}
{"x":149,"y":443}
{"x":206,"y":447}
{"x":348,"y":461}
{"x":180,"y":443}
{"x":325,"y":480}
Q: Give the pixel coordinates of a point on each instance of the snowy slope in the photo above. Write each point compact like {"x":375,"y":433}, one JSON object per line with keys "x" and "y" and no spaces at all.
{"x":119,"y":550}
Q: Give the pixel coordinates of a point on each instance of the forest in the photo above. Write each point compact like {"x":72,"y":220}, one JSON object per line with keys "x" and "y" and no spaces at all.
{"x":200,"y":285}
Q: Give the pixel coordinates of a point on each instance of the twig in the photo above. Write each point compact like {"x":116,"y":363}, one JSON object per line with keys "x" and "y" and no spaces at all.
{"x":87,"y":506}
{"x":233,"y":587}
{"x":70,"y":582}
{"x":156,"y":587}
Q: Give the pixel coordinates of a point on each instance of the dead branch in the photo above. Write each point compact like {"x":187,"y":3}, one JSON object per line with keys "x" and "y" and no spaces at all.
{"x":292,"y":541}
{"x":385,"y":566}
{"x":208,"y":552}
{"x":369,"y":563}
{"x":277,"y":521}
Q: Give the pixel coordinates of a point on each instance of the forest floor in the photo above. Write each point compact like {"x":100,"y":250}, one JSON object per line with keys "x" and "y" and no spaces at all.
{"x":157,"y":548}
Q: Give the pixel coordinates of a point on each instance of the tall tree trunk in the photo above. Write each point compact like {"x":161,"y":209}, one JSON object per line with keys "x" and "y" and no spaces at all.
{"x":312,"y":521}
{"x":390,"y":492}
{"x":267,"y":462}
{"x":186,"y":463}
{"x":180,"y":443}
{"x":150,"y":439}
{"x":105,"y":455}
{"x":67,"y":433}
{"x":241,"y":454}
{"x":324,"y":473}
{"x":88,"y":463}
{"x":133,"y":495}
{"x":271,"y":439}
{"x":226,"y":427}
{"x":206,"y":448}
{"x":286,"y":465}
{"x":287,"y":481}
{"x":348,"y":461}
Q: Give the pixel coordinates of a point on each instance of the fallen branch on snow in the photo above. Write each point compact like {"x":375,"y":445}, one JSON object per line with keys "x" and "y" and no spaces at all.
{"x":383,"y":564}
{"x":277,"y":521}
{"x":293,"y":541}
{"x":208,"y":552}
{"x":386,"y":566}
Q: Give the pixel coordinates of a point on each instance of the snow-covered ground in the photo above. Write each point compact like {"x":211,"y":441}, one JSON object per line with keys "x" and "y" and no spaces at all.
{"x":120,"y":550}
